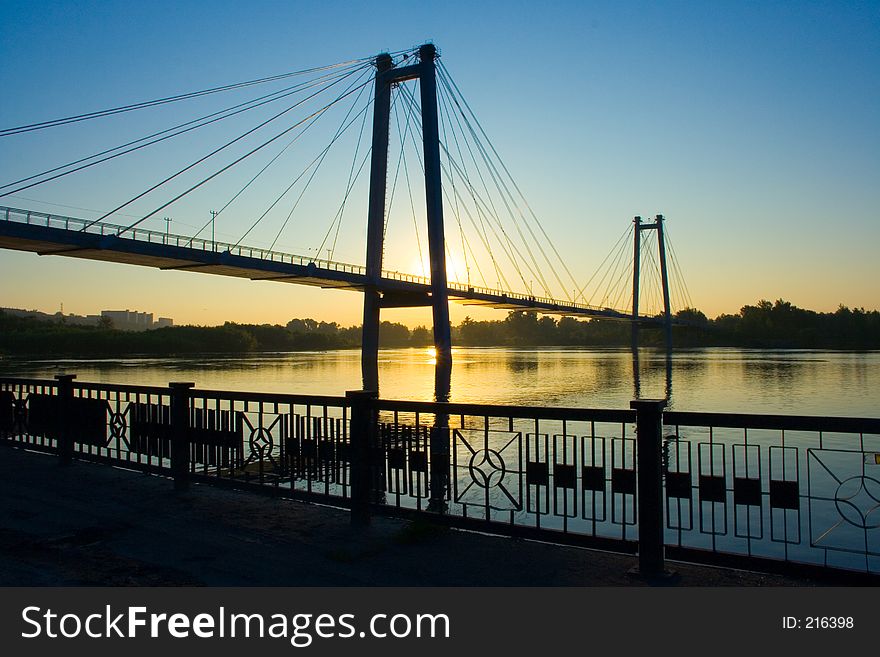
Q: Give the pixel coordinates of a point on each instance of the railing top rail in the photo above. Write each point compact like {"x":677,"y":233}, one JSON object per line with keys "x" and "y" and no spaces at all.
{"x":498,"y":410}
{"x":670,"y":418}
{"x":269,"y":397}
{"x":121,"y":387}
{"x":16,"y":381}
{"x":786,"y":422}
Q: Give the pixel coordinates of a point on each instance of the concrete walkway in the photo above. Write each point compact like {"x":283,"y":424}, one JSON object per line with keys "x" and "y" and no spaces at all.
{"x":96,"y":525}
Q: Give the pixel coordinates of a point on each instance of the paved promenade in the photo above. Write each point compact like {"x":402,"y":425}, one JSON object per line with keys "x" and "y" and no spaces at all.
{"x":96,"y":525}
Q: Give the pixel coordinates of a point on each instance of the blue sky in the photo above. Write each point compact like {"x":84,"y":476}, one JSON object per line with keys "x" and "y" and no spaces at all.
{"x":752,"y":126}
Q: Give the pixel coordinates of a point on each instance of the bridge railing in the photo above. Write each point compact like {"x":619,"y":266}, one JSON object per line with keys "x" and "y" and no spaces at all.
{"x":530,"y":299}
{"x":109,"y":229}
{"x":755,"y":491}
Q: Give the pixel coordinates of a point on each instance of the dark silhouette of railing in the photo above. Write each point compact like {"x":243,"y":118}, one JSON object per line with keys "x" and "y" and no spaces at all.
{"x":758,"y":491}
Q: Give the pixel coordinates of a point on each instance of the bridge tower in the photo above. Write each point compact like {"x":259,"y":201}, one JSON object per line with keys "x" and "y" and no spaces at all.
{"x":664,"y":277}
{"x":374,"y":297}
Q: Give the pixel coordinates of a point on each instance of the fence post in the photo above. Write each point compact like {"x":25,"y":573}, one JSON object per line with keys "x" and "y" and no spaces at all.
{"x":649,"y":436}
{"x":65,"y":417}
{"x":361,"y":439}
{"x":180,"y":434}
{"x":439,"y":471}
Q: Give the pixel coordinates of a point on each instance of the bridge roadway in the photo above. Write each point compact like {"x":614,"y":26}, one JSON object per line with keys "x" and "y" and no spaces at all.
{"x":51,"y":234}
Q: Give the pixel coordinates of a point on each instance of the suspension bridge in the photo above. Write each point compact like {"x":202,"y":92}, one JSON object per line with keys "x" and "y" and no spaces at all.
{"x":499,"y":245}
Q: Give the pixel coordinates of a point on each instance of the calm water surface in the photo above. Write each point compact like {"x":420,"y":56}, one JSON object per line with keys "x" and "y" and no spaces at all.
{"x":717,"y":379}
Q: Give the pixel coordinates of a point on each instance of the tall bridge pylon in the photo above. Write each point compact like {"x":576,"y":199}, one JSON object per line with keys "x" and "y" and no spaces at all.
{"x":438,"y":297}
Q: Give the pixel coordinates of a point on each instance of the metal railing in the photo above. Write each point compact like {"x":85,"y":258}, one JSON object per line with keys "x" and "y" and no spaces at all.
{"x":790,"y":488}
{"x":757,"y":491}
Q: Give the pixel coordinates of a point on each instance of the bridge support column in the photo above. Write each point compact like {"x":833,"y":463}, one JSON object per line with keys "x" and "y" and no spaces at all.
{"x":637,"y":246}
{"x":370,"y":341}
{"x":664,"y":276}
{"x":376,"y":223}
{"x":434,"y":200}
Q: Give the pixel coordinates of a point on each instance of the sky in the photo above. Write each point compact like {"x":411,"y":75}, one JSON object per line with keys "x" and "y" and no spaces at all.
{"x":751,"y":126}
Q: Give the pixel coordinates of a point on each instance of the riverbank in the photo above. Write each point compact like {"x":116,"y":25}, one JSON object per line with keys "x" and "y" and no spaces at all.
{"x":778,"y":325}
{"x":96,"y":525}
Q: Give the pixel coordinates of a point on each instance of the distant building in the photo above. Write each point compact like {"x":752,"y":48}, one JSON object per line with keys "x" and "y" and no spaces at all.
{"x":124,"y":320}
{"x":132,"y":320}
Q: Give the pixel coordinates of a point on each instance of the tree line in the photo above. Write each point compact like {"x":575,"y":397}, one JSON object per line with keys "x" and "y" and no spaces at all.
{"x":32,"y":336}
{"x":767,"y":324}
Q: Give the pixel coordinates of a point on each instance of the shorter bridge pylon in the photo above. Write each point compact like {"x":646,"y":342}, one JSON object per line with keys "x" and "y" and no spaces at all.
{"x":657,"y":225}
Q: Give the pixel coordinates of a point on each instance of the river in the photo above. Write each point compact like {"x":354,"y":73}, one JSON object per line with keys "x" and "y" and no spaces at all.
{"x":840,"y":383}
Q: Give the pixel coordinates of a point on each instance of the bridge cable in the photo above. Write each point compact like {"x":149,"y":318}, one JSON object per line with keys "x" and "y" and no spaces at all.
{"x":341,"y":212}
{"x":459,"y":202}
{"x":217,"y":150}
{"x":5,"y":132}
{"x":613,"y":250}
{"x":446,"y":114}
{"x":389,"y":201}
{"x":480,"y":210}
{"x":163,"y":135}
{"x":489,"y":209}
{"x":535,"y":273}
{"x":444,"y":74}
{"x":237,"y":161}
{"x":452,"y":88}
{"x":655,"y":278}
{"x":317,"y":160}
{"x":619,"y":269}
{"x":257,"y":175}
{"x":677,"y":269}
{"x":620,"y":288}
{"x":646,"y":273}
{"x":339,"y":132}
{"x":620,"y":273}
{"x":352,"y":179}
{"x":444,"y":119}
{"x":507,"y":198}
{"x":402,"y":136}
{"x":489,"y":205}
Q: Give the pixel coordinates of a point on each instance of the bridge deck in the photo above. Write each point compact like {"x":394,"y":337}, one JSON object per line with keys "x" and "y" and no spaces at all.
{"x":45,"y":234}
